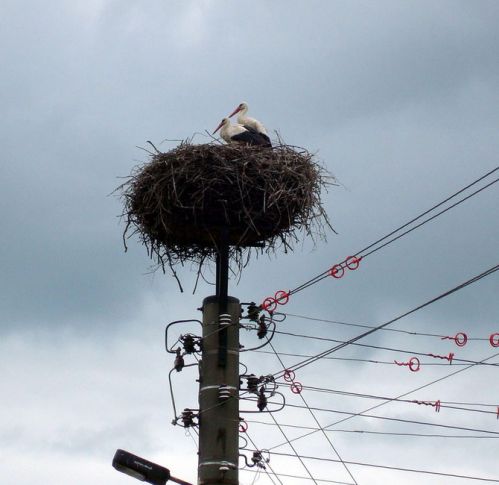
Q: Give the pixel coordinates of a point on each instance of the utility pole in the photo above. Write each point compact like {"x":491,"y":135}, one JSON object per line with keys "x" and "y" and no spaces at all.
{"x":219,"y":383}
{"x":196,"y":201}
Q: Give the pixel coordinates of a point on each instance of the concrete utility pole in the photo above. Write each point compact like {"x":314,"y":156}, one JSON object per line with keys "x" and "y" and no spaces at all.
{"x":219,"y":384}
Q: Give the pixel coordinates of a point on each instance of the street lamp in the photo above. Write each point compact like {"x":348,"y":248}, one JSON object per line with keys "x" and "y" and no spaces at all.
{"x":143,"y":470}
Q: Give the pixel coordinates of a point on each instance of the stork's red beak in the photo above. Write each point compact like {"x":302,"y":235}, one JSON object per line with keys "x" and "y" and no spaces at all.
{"x":235,"y":111}
{"x":219,"y":126}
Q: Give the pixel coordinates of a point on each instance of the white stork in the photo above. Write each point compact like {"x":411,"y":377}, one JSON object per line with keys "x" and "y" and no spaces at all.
{"x":250,"y":123}
{"x":239,"y":134}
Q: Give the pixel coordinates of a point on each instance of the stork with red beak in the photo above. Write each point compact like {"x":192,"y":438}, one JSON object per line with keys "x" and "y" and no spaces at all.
{"x":250,"y":123}
{"x":239,"y":134}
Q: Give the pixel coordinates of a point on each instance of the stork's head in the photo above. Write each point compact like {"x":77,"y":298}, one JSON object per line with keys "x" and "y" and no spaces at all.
{"x":242,"y":107}
{"x":224,"y":122}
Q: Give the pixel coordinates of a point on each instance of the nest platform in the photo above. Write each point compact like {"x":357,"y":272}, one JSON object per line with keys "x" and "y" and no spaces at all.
{"x":186,"y":202}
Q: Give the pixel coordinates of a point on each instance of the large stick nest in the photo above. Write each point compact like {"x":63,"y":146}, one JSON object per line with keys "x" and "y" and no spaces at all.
{"x":186,"y":202}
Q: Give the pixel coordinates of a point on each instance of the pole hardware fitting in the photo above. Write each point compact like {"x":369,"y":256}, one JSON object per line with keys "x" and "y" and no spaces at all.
{"x":262,"y":399}
{"x":262,"y":327}
{"x":191,"y":343}
{"x":252,"y":383}
{"x":258,"y":460}
{"x":224,"y":392}
{"x":176,"y":322}
{"x":253,"y":312}
{"x":267,"y":383}
{"x":187,"y":418}
{"x":224,"y":319}
{"x":179,"y":361}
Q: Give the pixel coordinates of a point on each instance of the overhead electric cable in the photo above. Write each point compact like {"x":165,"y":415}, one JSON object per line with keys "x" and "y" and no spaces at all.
{"x":364,"y":431}
{"x":317,"y":421}
{"x":379,"y":347}
{"x":362,"y":413}
{"x":363,"y":325}
{"x":382,"y":418}
{"x":293,"y":448}
{"x":371,"y":361}
{"x":413,"y":470}
{"x":265,"y":469}
{"x":442,"y":404}
{"x":373,"y":247}
{"x":430,"y":218}
{"x":285,"y":475}
{"x":472,"y":280}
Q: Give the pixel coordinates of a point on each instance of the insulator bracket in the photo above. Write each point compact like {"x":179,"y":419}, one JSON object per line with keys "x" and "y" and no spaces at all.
{"x":224,"y":319}
{"x":224,"y":392}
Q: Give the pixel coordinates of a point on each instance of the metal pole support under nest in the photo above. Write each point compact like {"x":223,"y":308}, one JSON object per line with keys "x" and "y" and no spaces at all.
{"x":219,"y":384}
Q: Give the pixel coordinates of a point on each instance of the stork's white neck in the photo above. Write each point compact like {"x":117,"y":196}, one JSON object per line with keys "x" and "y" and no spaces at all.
{"x":244,"y":120}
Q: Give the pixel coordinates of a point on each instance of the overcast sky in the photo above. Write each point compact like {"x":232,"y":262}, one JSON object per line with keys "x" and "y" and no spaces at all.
{"x":400,"y":101}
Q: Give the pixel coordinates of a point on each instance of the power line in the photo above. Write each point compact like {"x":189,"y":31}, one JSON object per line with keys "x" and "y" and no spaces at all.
{"x":383,"y":418}
{"x":432,"y":217}
{"x":293,"y":448}
{"x":316,"y":421}
{"x":390,"y":349}
{"x":333,"y":349}
{"x":412,"y":470}
{"x":363,"y":325}
{"x":359,"y":253}
{"x":387,"y":433}
{"x":362,"y":413}
{"x":371,"y":361}
{"x":364,"y":252}
{"x":300,"y":477}
{"x":472,"y":280}
{"x":271,"y":470}
{"x":442,"y":404}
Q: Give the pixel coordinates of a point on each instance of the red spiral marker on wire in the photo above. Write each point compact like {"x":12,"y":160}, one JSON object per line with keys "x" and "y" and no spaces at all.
{"x":435,"y":404}
{"x":460,"y":339}
{"x":281,"y":297}
{"x":353,"y":262}
{"x":337,"y":271}
{"x":269,"y":304}
{"x":289,"y":376}
{"x":414,"y":364}
{"x":243,"y":426}
{"x":494,"y":339}
{"x":449,"y":357}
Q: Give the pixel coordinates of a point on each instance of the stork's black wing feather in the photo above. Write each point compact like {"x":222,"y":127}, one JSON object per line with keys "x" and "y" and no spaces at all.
{"x":251,"y":129}
{"x":249,"y":137}
{"x":266,"y":140}
{"x":262,"y":138}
